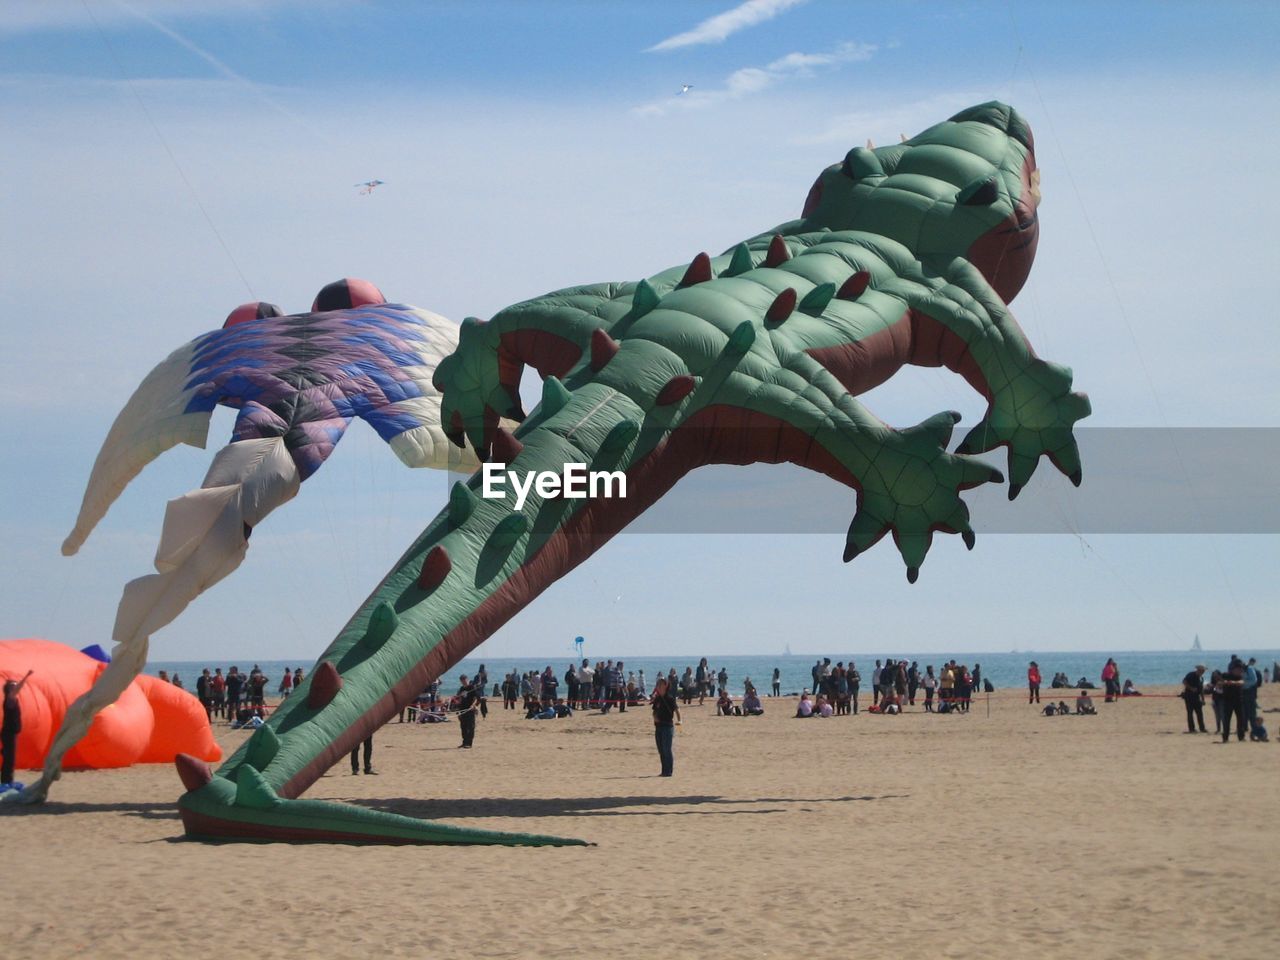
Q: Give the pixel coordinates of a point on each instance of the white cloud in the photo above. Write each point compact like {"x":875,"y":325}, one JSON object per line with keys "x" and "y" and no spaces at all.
{"x":884,"y":122}
{"x":753,"y":80}
{"x":77,"y":15}
{"x":723,"y":25}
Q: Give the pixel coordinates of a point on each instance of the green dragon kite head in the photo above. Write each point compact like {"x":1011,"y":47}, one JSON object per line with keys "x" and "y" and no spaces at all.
{"x":967,"y":187}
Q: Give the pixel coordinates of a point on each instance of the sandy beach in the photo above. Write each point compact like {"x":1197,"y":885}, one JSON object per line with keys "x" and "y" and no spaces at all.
{"x":914,"y":836}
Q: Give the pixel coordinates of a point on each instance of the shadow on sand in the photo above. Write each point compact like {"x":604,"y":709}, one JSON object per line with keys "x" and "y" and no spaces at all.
{"x":167,"y":810}
{"x":643,"y":806}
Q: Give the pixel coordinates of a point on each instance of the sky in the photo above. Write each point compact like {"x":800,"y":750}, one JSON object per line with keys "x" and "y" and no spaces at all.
{"x":167,"y":160}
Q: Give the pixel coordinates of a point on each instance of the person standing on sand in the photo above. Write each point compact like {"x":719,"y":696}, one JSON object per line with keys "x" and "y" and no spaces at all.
{"x":1215,"y":697}
{"x":12,"y":727}
{"x":1193,"y":695}
{"x":855,"y":681}
{"x":887,"y":674}
{"x":619,"y":692}
{"x":930,"y":683}
{"x":468,"y":702}
{"x":219,"y":688}
{"x":1110,"y":673}
{"x":204,"y":692}
{"x":1233,"y":700}
{"x":1033,"y":682}
{"x":946,"y":686}
{"x":368,"y":758}
{"x":1252,"y":680}
{"x":666,"y":714}
{"x":875,"y":684}
{"x":777,"y":682}
{"x":235,"y":689}
{"x":586,"y":682}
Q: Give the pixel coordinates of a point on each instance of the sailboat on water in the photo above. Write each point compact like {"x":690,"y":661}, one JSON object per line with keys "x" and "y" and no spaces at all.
{"x":1195,"y":644}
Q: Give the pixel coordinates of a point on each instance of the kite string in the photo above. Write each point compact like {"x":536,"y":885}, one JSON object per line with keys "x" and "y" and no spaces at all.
{"x":1065,"y":514}
{"x":1133,"y":337}
{"x":165,"y":144}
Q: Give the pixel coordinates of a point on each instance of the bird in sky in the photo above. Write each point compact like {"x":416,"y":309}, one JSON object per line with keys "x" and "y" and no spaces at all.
{"x":684,"y":88}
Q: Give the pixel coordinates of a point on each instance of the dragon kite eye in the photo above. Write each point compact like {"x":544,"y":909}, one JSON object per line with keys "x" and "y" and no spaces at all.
{"x":980,"y":193}
{"x":251,"y":311}
{"x":346,"y":293}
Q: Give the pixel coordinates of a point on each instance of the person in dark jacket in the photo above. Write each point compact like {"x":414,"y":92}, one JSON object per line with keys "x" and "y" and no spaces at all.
{"x":12,"y":727}
{"x":468,"y":704}
{"x":666,"y":714}
{"x":1193,"y":696}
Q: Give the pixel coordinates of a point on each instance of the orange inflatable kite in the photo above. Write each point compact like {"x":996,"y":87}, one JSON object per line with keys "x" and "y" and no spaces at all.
{"x":152,"y":722}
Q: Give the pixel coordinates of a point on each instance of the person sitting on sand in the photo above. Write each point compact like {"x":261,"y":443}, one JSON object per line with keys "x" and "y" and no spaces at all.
{"x":1084,"y":703}
{"x":1050,"y":711}
{"x":563,"y":710}
{"x":1258,"y":731}
{"x":1084,"y":683}
{"x":1063,"y":709}
{"x":751,"y":705}
{"x":805,"y":709}
{"x":1130,"y":690}
{"x":823,"y":707}
{"x":724,"y":705}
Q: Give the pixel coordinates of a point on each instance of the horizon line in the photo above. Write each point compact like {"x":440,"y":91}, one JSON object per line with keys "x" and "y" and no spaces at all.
{"x":782,"y":656}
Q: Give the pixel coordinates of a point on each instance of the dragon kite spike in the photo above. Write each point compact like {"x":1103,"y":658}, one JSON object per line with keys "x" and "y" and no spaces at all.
{"x":699,"y":271}
{"x":782,"y":307}
{"x":778,"y":253}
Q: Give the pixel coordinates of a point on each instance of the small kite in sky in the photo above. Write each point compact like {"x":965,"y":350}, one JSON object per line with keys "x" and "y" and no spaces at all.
{"x":368,"y":185}
{"x":684,"y":88}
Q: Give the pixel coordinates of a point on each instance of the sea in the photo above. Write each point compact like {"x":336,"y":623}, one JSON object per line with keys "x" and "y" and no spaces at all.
{"x":1004,"y":670}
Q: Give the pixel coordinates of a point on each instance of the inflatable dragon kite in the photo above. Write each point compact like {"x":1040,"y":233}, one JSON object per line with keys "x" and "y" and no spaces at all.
{"x":902,"y":255}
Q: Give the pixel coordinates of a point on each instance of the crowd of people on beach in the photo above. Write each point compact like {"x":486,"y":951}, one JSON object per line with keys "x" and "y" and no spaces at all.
{"x":234,"y":696}
{"x":1233,"y":694}
{"x":836,"y":690}
{"x":894,"y":685}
